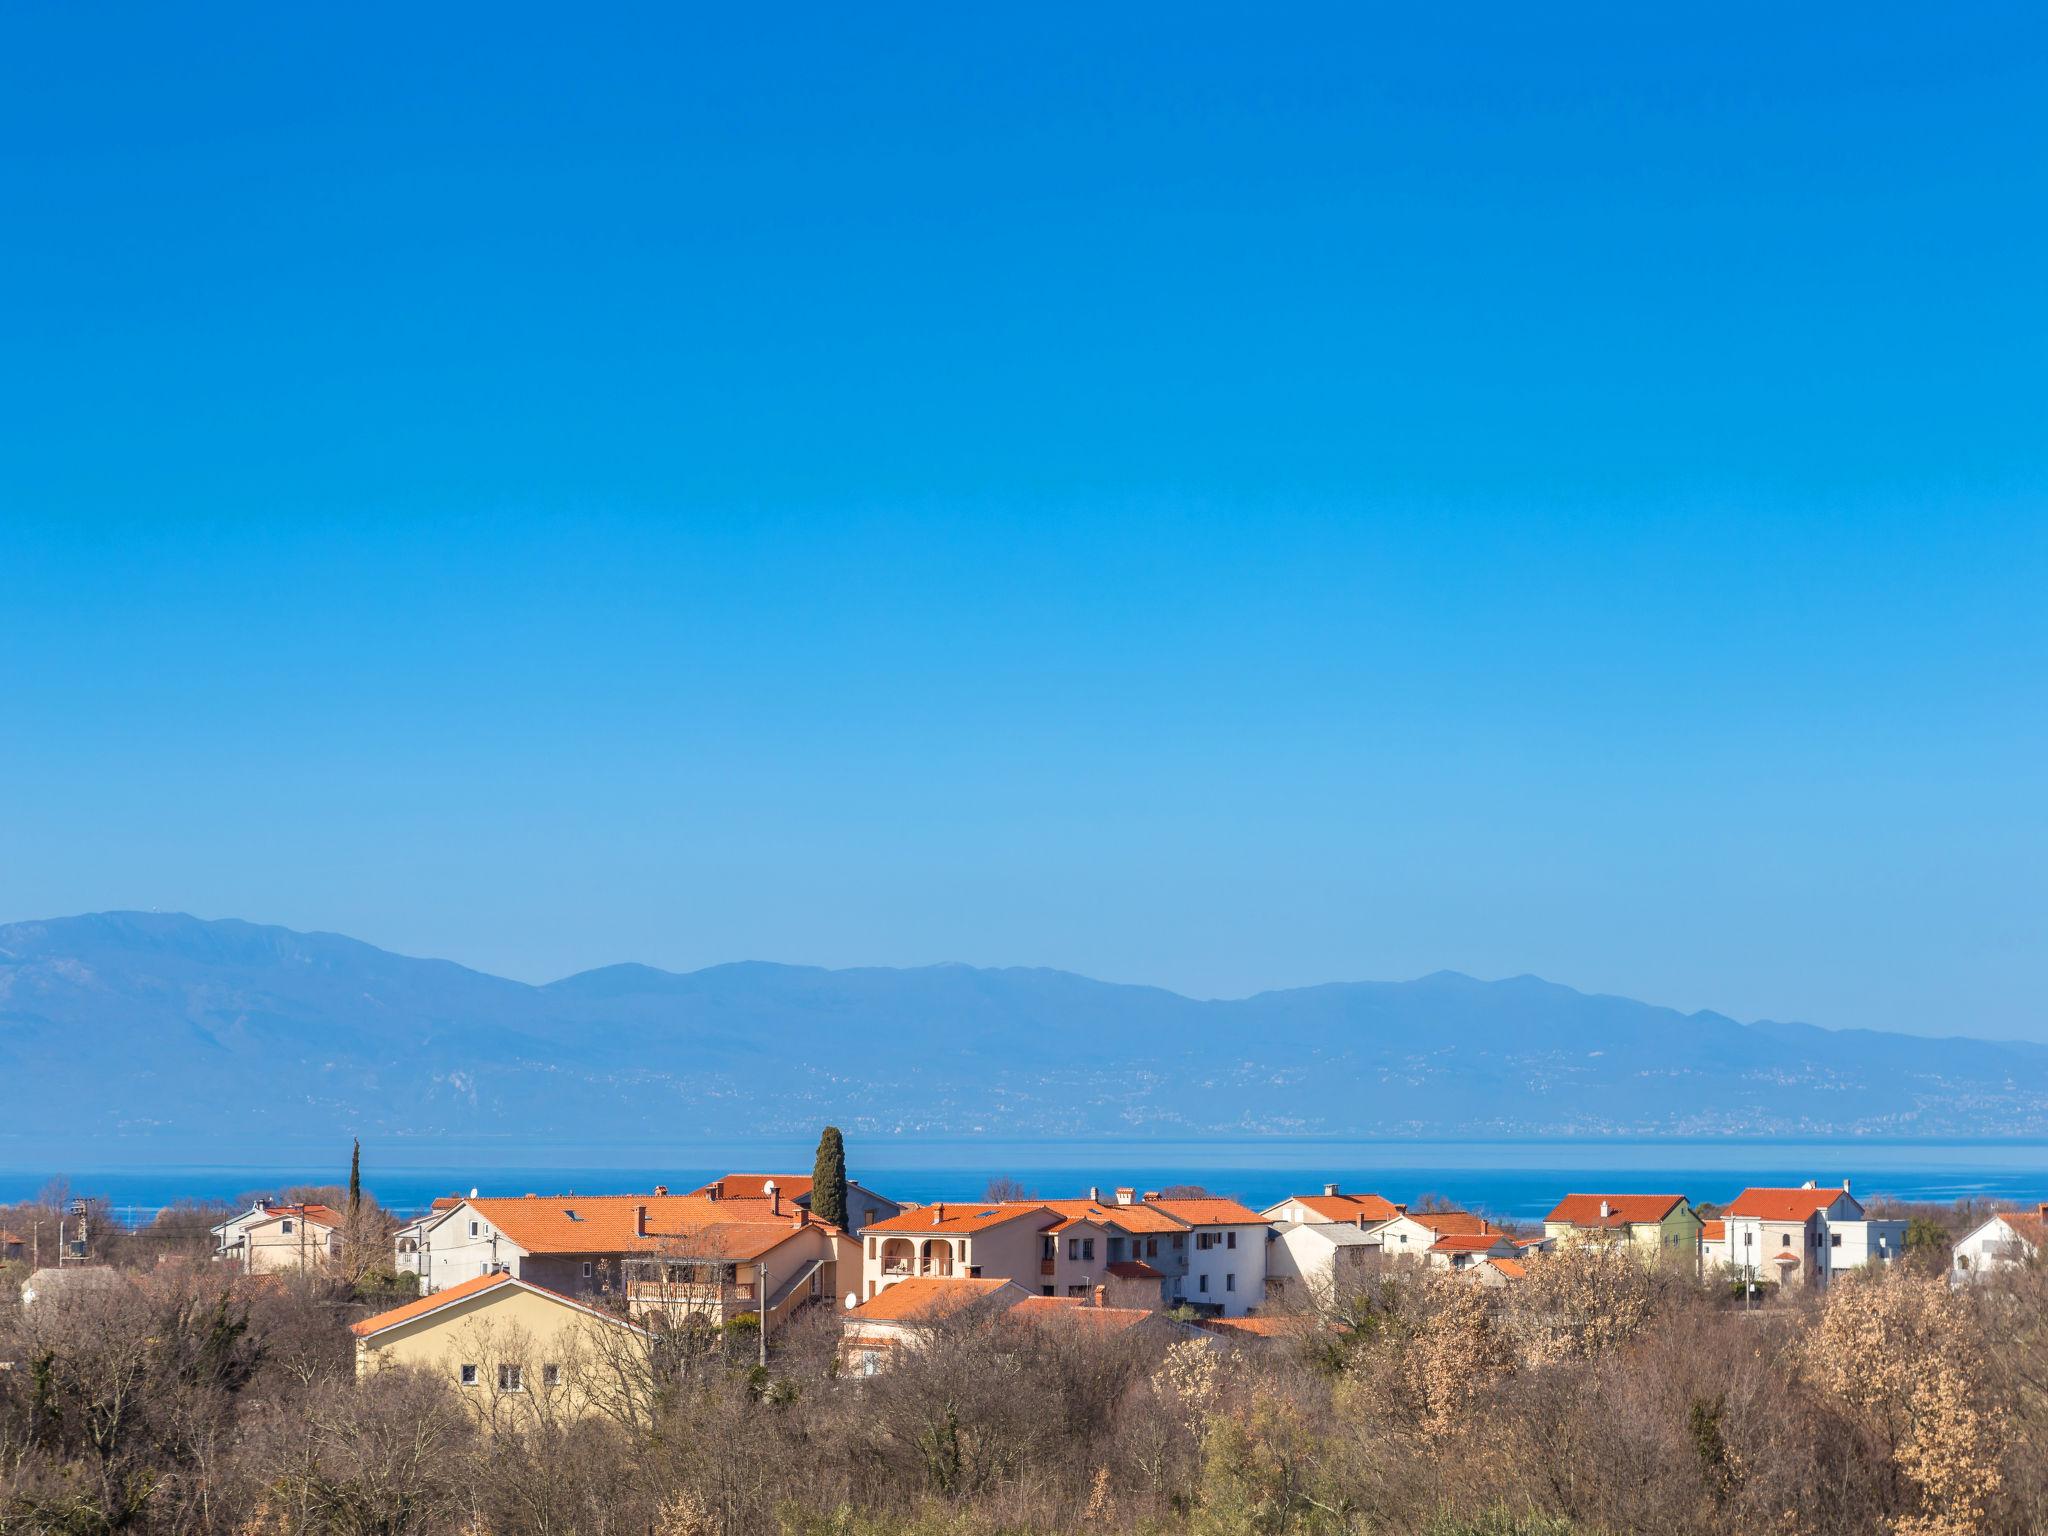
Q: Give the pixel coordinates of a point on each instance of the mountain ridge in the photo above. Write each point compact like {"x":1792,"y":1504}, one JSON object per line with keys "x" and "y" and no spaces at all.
{"x":137,"y":1027}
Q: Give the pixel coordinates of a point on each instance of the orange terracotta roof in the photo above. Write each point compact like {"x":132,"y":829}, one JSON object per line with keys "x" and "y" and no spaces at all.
{"x":11,"y":1237}
{"x":930,"y":1296}
{"x":1210,"y":1211}
{"x":1622,"y":1210}
{"x":1467,"y":1242}
{"x":1786,"y":1204}
{"x":1134,"y":1269}
{"x":1514,"y":1269}
{"x":754,"y":1186}
{"x":1786,"y":1258}
{"x":319,"y":1215}
{"x":954,"y":1216}
{"x":1138,"y":1217}
{"x":1348,"y":1208}
{"x":413,"y":1310}
{"x":445,"y":1202}
{"x":1713,"y":1231}
{"x":425,"y":1304}
{"x":1444,"y":1222}
{"x":606,"y":1223}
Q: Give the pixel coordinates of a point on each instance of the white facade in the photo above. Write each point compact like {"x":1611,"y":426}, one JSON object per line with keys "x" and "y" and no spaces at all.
{"x":2006,"y":1241}
{"x":1226,"y":1269}
{"x":1308,"y":1263}
{"x":1806,"y":1247}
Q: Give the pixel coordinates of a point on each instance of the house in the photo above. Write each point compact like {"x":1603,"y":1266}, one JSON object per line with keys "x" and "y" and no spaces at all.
{"x":1713,"y":1247}
{"x":1412,"y":1234}
{"x":1460,"y":1251}
{"x":947,"y":1240}
{"x":1499,"y":1272}
{"x":2007,"y":1241}
{"x":1662,"y":1229}
{"x":689,"y":1253}
{"x":502,"y":1342}
{"x":1365,"y":1212}
{"x":1313,"y":1263}
{"x":13,"y":1245}
{"x":893,"y":1317}
{"x":272,"y":1237}
{"x":1803,"y":1236}
{"x":898,"y":1317}
{"x":1224,"y":1253}
{"x":863,"y":1206}
{"x":405,"y":1242}
{"x":1203,"y":1252}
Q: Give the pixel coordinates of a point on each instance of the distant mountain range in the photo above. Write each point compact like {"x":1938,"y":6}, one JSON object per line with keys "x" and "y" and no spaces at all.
{"x":130,"y":1034}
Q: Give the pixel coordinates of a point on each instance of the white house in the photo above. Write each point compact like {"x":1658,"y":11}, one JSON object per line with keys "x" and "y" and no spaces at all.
{"x":2006,"y":1241}
{"x":1803,"y":1236}
{"x":1226,"y":1254}
{"x":1312,"y":1263}
{"x":1365,"y":1212}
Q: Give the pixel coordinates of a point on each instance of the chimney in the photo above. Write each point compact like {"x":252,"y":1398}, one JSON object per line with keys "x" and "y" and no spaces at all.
{"x":639,"y":1221}
{"x":1151,"y":1194}
{"x":715,"y":1190}
{"x":661,"y":1189}
{"x":1101,"y":1292}
{"x":938,"y":1213}
{"x":1330,"y":1188}
{"x":803,"y":1217}
{"x":1400,"y":1210}
{"x":1807,"y":1185}
{"x":1094,"y":1194}
{"x":2043,"y":1212}
{"x":1845,"y":1186}
{"x":1125,"y":1195}
{"x":774,"y":1198}
{"x":1606,"y":1210}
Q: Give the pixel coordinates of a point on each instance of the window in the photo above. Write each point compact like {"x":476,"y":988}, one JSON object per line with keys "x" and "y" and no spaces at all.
{"x":1230,"y":1282}
{"x":1785,"y":1240}
{"x":586,"y":1269}
{"x":472,"y":1229}
{"x":1088,"y":1248}
{"x":1073,"y":1248}
{"x":871,"y":1247}
{"x":285,"y":1226}
{"x":867,"y":1216}
{"x":1151,"y":1247}
{"x":466,"y":1375}
{"x":1077,"y":1290}
{"x":1230,"y":1239}
{"x":1204,"y":1241}
{"x":1180,"y":1241}
{"x":1834,"y":1239}
{"x":1202,"y":1284}
{"x":870,"y":1362}
{"x":1749,"y":1239}
{"x":510,"y":1379}
{"x":551,"y":1375}
{"x":1045,"y":1290}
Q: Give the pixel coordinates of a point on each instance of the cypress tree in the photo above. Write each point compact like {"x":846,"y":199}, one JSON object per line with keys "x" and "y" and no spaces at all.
{"x":355,"y":1177}
{"x":828,"y":1178}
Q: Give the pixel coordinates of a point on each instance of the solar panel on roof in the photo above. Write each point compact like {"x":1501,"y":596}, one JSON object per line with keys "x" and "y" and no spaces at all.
{"x":980,"y":1214}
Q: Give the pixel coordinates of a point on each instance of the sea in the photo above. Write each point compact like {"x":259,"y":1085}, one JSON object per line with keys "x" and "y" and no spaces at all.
{"x":1515,"y":1181}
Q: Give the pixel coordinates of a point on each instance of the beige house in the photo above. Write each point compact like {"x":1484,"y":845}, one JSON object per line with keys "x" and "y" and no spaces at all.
{"x":270,"y":1239}
{"x":510,"y":1347}
{"x":1662,"y":1229}
{"x":1414,"y":1234}
{"x":946,"y":1241}
{"x":1367,"y":1213}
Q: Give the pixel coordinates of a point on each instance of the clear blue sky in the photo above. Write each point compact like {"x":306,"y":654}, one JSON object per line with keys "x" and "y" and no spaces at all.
{"x":1190,"y":496}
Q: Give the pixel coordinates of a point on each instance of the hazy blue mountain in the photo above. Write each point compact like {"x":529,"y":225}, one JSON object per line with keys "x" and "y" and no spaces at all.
{"x":142,"y":1033}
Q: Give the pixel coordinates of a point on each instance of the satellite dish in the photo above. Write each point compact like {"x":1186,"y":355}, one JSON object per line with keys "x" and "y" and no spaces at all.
{"x":852,"y":1300}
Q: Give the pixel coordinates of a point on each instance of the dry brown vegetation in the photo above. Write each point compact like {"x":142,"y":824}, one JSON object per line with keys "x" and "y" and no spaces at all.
{"x":1594,"y":1397}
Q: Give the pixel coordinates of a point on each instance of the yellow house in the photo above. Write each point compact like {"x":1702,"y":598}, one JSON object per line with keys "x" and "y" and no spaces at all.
{"x":1664,"y":1229}
{"x":515,"y":1350}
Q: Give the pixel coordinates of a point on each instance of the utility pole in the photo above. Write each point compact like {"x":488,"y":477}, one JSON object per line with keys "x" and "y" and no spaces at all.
{"x":761,"y":1301}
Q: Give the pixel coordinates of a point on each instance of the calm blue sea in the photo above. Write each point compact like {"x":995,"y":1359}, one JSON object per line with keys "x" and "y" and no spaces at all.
{"x":1509,"y":1180}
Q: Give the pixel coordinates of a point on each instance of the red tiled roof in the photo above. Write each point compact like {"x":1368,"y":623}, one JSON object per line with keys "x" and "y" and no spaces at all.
{"x":1713,"y":1231}
{"x":11,"y":1237}
{"x":1138,"y":1216}
{"x":956,"y":1216}
{"x":1622,"y":1210}
{"x":1445,"y":1222}
{"x":1466,"y":1242}
{"x":1134,"y":1269}
{"x":607,"y":1223}
{"x":754,"y":1186}
{"x":411,"y":1311}
{"x":1279,"y":1325}
{"x":1348,"y":1208}
{"x":1514,"y":1269}
{"x":1786,"y":1204}
{"x":1209,"y":1211}
{"x":930,"y":1296}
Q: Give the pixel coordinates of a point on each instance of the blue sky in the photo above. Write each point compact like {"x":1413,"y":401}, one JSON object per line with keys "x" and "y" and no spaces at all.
{"x":1189,"y":497}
